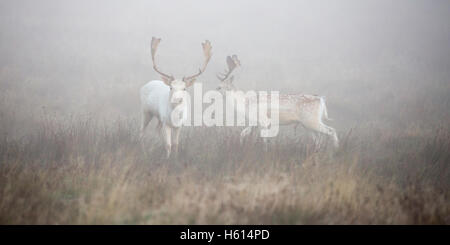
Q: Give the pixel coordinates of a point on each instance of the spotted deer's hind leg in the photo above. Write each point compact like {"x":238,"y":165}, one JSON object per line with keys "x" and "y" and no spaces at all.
{"x":319,"y":127}
{"x":316,"y":139}
{"x":322,"y":128}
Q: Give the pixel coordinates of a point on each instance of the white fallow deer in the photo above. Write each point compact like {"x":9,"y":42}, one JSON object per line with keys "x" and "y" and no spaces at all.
{"x":166,"y":101}
{"x":294,"y":109}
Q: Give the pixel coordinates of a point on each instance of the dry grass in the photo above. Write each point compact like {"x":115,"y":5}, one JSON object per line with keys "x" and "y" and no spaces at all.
{"x":83,"y":172}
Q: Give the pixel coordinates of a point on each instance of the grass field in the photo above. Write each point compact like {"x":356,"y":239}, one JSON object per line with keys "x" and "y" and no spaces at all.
{"x":84,"y":172}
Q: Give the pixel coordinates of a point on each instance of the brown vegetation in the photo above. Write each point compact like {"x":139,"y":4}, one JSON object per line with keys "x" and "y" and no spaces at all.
{"x":80,"y":172}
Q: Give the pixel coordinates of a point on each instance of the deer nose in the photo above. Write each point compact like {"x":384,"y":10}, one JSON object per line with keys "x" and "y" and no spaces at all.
{"x":177,"y":100}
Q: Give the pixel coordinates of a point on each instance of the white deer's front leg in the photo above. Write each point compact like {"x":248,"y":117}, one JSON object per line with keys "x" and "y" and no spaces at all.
{"x":166,"y":135}
{"x":176,"y":137}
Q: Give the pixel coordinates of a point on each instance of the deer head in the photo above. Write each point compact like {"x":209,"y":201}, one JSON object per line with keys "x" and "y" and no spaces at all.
{"x":179,"y":85}
{"x":226,"y":82}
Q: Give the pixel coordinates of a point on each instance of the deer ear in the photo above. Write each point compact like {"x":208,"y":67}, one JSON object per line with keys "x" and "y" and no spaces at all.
{"x":189,"y":82}
{"x":167,"y":80}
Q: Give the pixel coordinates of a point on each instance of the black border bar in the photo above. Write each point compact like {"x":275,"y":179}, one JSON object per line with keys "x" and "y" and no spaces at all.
{"x":240,"y":234}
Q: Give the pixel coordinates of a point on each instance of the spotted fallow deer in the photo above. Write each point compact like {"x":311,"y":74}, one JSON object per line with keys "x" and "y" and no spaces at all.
{"x":165,"y":100}
{"x":294,"y":109}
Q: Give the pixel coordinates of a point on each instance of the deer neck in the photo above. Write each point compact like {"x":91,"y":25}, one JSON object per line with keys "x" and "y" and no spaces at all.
{"x":175,"y":113}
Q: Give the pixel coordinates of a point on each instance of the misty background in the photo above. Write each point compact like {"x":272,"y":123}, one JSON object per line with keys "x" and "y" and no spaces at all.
{"x":384,"y":62}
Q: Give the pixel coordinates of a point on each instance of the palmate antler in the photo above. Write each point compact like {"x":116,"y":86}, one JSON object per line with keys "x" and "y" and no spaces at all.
{"x":155,"y":42}
{"x":207,"y":52}
{"x":232,"y":62}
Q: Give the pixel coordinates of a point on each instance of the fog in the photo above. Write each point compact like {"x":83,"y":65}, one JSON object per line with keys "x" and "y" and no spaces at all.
{"x":72,"y":56}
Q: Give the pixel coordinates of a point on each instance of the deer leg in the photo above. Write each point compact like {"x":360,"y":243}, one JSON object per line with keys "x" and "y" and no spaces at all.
{"x":145,"y":119}
{"x":176,"y":138}
{"x":317,"y":140}
{"x":295,"y":131}
{"x":266,"y":143}
{"x":244,"y":133}
{"x":322,"y":128}
{"x":265,"y":139}
{"x":166,"y":135}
